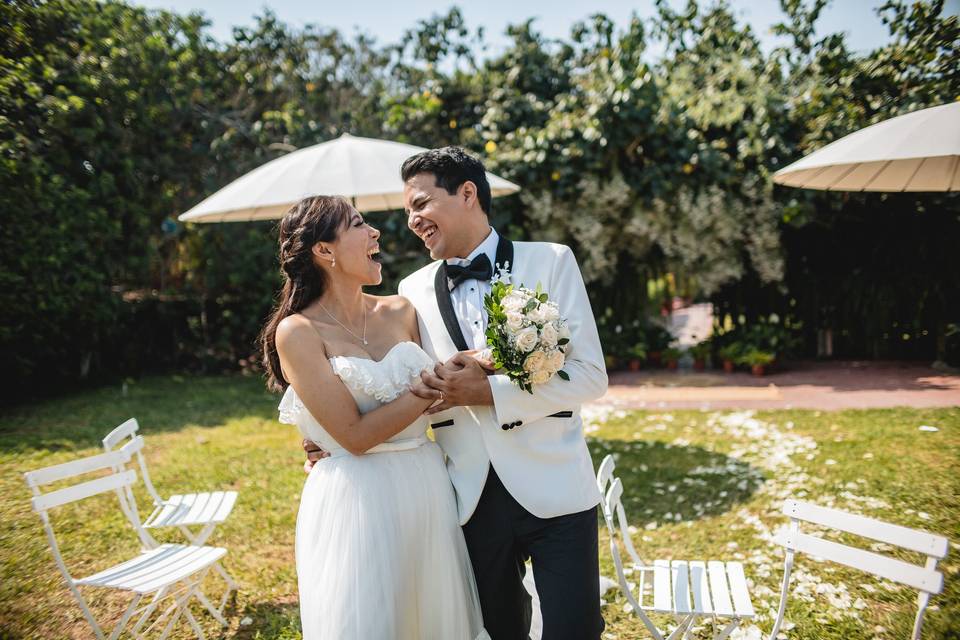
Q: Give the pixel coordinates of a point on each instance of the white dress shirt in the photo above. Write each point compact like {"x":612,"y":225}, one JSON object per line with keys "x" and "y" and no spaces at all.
{"x":467,"y":298}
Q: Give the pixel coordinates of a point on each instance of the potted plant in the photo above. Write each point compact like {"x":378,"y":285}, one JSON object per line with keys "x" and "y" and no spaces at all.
{"x":671,"y":356}
{"x":657,"y":340}
{"x":700,"y":353}
{"x":729,"y":355}
{"x":757,"y":360}
{"x":636,"y":354}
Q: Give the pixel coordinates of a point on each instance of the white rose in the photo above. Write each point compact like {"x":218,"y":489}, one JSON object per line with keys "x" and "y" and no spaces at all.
{"x":534,"y":362}
{"x":550,"y":311}
{"x":514,"y":320}
{"x":536,"y":315}
{"x":513,"y":302}
{"x":539,"y":377}
{"x":526,"y":339}
{"x":549,"y":336}
{"x":555,"y":360}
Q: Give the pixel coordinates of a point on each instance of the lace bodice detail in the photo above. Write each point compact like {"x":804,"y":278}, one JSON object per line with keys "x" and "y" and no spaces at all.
{"x":372,"y":383}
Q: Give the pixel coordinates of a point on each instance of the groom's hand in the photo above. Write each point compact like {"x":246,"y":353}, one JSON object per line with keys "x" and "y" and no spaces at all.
{"x":460,"y":382}
{"x":314,"y":454}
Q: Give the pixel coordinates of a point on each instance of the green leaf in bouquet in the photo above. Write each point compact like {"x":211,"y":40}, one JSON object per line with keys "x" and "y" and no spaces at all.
{"x":563,"y":341}
{"x":563,"y":374}
{"x":530,"y":306}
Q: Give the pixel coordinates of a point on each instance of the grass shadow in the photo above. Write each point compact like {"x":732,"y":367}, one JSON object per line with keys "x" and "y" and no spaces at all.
{"x":664,"y":482}
{"x":161,"y":404}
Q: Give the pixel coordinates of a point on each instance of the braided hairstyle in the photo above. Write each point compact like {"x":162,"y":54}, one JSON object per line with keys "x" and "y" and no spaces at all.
{"x":312,"y":220}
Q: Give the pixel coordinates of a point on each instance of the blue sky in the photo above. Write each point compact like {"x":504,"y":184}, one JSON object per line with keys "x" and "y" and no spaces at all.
{"x":386,"y":20}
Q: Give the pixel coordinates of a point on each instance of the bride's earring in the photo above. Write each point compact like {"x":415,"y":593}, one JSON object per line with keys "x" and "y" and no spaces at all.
{"x":333,"y":264}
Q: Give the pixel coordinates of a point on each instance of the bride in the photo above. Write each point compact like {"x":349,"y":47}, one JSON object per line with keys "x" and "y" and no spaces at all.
{"x":379,"y":550}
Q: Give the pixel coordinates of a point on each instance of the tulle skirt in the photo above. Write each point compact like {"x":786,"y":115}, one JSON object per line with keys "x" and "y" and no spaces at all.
{"x":380,"y":553}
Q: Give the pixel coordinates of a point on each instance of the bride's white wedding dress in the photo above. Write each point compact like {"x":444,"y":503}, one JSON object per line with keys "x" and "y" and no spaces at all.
{"x":380,"y":554}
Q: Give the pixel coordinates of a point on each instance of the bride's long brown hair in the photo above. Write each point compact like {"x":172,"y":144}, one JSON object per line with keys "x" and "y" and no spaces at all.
{"x":312,"y":220}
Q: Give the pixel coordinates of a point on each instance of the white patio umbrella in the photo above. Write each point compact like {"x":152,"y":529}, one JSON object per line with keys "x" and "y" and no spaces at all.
{"x":364,"y":170}
{"x":919,"y":151}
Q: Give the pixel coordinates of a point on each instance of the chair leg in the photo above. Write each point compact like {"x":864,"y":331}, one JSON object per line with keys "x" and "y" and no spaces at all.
{"x":923,"y":599}
{"x":145,"y":616}
{"x":209,"y":607}
{"x":125,"y":618}
{"x":682,"y":628}
{"x":728,"y":629}
{"x":231,"y":585}
{"x":787,"y":568}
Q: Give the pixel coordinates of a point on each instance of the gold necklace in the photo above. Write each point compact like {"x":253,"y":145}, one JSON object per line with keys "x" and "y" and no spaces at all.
{"x":363,"y":338}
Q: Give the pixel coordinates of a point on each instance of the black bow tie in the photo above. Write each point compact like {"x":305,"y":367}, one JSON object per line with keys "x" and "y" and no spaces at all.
{"x":478,"y":269}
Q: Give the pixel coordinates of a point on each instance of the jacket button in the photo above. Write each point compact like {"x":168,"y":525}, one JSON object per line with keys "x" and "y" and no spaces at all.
{"x":505,"y":427}
{"x":519,"y":422}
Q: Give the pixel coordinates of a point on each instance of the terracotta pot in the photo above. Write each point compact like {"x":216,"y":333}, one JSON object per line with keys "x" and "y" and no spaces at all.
{"x":728,"y":366}
{"x":699,"y":364}
{"x":671,"y":364}
{"x":634,"y":364}
{"x":757,"y":369}
{"x":654,"y":358}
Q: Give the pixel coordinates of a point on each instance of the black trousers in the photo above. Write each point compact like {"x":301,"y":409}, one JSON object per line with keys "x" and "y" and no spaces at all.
{"x":501,"y":535}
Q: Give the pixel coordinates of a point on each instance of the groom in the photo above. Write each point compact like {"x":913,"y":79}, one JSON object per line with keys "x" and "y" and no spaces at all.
{"x":523,"y":476}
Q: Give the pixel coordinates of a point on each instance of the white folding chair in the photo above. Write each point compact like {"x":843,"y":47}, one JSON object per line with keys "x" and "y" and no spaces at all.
{"x":205,"y":510}
{"x":717,"y":589}
{"x":925,"y":579}
{"x":168,"y":572}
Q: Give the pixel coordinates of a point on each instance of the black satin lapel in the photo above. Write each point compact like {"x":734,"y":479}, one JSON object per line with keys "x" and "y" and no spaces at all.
{"x":442,"y":292}
{"x":504,"y":255}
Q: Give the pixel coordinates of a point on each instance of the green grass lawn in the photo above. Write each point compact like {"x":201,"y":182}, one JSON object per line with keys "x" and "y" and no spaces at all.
{"x":697,"y":485}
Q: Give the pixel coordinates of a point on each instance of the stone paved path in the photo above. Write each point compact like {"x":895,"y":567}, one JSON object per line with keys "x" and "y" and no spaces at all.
{"x":803,"y":385}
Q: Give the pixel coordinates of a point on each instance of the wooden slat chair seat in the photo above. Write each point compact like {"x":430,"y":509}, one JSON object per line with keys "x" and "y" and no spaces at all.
{"x":924,"y":578}
{"x":186,"y":512}
{"x":688,"y":590}
{"x":168,"y":575}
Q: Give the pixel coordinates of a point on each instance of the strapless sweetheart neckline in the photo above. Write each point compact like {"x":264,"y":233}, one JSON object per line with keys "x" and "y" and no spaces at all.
{"x":390,"y":351}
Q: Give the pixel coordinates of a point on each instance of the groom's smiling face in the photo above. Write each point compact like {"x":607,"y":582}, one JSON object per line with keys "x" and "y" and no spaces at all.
{"x":441,"y":220}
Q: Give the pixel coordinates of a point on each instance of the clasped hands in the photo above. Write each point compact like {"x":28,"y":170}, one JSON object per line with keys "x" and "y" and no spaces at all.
{"x":460,"y":381}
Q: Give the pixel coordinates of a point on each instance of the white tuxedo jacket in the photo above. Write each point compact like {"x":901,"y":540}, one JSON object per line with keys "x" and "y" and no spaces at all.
{"x":534,"y":441}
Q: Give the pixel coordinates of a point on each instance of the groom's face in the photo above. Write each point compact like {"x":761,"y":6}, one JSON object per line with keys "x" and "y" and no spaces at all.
{"x":438,"y":217}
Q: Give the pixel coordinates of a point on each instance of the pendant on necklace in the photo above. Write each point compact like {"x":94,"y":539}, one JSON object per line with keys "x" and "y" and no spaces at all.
{"x":364,"y":341}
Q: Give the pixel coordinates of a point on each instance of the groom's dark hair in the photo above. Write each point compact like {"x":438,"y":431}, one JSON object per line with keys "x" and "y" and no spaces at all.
{"x":451,"y":167}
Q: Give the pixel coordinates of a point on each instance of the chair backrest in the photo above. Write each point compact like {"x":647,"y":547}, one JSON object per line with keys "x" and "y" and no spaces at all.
{"x":605,"y":473}
{"x":129,"y":430}
{"x":613,"y":514}
{"x":921,"y":577}
{"x":925,"y":579}
{"x":44,"y":502}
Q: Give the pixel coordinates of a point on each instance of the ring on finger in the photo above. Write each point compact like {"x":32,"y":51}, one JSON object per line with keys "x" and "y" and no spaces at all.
{"x":441,"y":396}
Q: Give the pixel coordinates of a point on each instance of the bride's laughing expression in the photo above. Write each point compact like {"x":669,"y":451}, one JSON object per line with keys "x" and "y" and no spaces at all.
{"x":356,"y":251}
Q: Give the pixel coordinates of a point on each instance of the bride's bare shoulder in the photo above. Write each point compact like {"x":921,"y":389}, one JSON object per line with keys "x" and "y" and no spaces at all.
{"x":296,"y":328}
{"x":394,"y":304}
{"x":400,"y":311}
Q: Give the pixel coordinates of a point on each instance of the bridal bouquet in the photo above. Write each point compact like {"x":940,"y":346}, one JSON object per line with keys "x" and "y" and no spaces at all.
{"x":528,"y":339}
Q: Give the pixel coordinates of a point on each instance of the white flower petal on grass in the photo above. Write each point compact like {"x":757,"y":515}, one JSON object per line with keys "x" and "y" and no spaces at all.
{"x":927,"y":427}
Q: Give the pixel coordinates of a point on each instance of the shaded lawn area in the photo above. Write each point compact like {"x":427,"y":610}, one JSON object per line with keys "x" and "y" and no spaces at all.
{"x":697,"y":485}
